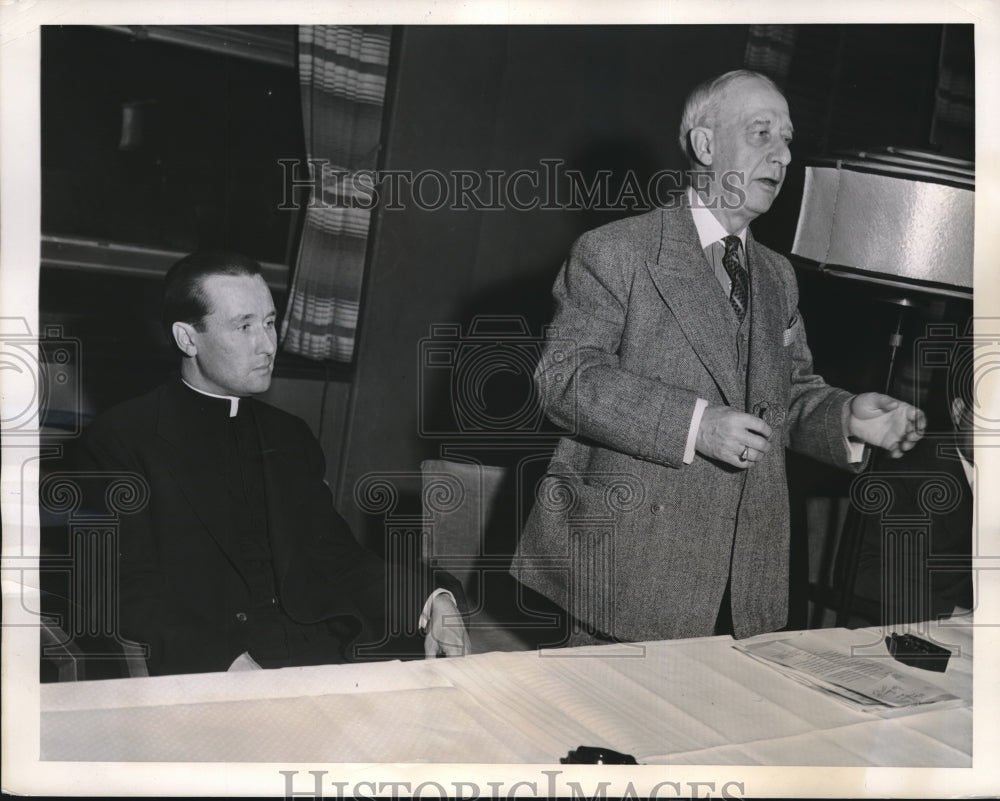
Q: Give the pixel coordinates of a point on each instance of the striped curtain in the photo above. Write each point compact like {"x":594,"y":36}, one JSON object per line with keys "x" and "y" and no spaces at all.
{"x":342,"y":76}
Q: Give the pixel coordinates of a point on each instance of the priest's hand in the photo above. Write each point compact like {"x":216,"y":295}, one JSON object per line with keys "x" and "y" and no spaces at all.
{"x":446,"y":634}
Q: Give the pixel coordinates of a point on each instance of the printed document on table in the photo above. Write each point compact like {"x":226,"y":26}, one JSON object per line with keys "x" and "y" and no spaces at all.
{"x":864,"y":681}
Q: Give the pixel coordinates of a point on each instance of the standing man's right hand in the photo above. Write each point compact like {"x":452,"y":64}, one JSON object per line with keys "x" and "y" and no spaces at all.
{"x":728,"y":435}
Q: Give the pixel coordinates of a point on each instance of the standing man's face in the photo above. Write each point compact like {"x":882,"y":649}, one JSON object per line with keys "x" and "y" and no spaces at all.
{"x":234,"y":353}
{"x":747,"y":151}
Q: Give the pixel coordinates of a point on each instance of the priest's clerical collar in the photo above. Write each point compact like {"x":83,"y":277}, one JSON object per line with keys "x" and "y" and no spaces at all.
{"x":234,"y":402}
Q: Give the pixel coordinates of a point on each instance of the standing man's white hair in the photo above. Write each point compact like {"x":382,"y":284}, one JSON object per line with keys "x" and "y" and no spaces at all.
{"x":702,"y":106}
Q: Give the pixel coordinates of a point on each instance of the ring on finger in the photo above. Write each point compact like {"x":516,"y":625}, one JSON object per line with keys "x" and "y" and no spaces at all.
{"x":746,"y":454}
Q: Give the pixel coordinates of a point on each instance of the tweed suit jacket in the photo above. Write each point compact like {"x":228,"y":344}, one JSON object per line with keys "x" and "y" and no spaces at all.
{"x":181,"y":590}
{"x":623,"y":534}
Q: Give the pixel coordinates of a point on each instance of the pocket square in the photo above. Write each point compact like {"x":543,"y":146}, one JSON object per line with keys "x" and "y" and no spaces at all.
{"x":790,"y":332}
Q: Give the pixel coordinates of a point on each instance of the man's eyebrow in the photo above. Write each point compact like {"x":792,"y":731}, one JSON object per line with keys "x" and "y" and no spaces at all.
{"x":770,"y":122}
{"x":243,"y":318}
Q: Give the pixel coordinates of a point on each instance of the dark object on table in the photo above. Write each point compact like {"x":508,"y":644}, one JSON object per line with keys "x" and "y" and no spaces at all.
{"x":591,"y":755}
{"x":919,"y":653}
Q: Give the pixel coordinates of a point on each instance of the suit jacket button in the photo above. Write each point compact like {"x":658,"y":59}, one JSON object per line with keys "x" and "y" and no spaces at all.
{"x":241,"y":617}
{"x":656,"y":508}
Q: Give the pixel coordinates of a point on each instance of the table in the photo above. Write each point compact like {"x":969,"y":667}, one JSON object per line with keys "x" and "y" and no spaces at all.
{"x":681,"y":702}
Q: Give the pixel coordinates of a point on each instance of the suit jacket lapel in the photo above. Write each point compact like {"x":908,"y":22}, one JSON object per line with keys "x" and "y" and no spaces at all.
{"x":194,"y":453}
{"x":765,"y":380}
{"x":686,"y":283}
{"x":280,"y":494}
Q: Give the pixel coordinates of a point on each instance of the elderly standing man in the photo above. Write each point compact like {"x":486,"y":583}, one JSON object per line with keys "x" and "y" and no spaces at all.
{"x":678,"y":362}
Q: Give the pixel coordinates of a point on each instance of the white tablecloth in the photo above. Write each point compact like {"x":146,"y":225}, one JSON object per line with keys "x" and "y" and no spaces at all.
{"x":693,"y":702}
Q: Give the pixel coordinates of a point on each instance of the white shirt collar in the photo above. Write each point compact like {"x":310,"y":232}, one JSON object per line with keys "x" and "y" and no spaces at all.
{"x":968,"y":468}
{"x":234,"y":402}
{"x":710,"y":230}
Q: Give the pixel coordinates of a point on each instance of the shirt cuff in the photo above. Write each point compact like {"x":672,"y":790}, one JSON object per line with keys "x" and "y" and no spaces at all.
{"x":699,"y":409}
{"x":855,"y":447}
{"x":425,"y":613}
{"x":855,"y":451}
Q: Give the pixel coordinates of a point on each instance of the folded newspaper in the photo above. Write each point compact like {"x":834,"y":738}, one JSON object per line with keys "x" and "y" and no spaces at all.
{"x":871,"y":683}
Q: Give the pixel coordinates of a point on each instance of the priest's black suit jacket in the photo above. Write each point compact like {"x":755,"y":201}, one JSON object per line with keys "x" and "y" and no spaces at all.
{"x":181,"y":589}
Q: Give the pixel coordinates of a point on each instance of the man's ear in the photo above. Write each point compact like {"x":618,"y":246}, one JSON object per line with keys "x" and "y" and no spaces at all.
{"x":184,"y":338}
{"x":701,"y":141}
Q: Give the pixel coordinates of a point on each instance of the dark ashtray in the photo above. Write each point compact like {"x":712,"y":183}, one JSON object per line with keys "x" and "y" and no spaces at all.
{"x":918,"y":653}
{"x":591,"y":755}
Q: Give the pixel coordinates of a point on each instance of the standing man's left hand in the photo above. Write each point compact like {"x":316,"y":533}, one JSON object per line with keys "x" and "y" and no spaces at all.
{"x":446,"y":634}
{"x":885,"y":422}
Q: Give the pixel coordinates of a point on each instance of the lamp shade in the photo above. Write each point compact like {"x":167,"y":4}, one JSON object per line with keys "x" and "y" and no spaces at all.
{"x":892,"y":215}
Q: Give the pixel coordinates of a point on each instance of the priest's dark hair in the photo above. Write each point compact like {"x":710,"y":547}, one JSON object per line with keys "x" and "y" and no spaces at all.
{"x":184,"y":298}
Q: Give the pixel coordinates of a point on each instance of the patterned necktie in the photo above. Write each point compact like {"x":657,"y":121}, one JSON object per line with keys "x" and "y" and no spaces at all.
{"x":739,"y":295}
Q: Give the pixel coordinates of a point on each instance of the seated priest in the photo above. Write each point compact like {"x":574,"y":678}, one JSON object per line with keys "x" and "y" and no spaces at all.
{"x":239,"y":555}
